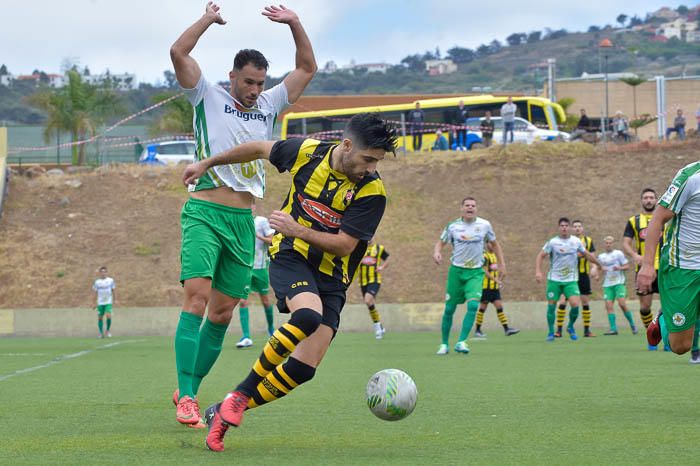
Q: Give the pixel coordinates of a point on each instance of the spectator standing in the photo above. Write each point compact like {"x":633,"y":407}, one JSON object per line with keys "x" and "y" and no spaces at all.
{"x":620,"y":126}
{"x":459,"y":120}
{"x":508,"y":111}
{"x":416,"y":120}
{"x":678,"y":126}
{"x":486,"y":128}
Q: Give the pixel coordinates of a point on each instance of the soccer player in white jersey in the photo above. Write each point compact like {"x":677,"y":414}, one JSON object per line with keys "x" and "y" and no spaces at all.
{"x":468,"y":236}
{"x":104,"y":293}
{"x":679,"y":268}
{"x":614,"y":265}
{"x":562,"y":278}
{"x":217,"y":226}
{"x":259,"y":281}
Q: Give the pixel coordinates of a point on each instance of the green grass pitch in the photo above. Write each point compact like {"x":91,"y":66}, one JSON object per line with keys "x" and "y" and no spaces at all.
{"x":515,"y":400}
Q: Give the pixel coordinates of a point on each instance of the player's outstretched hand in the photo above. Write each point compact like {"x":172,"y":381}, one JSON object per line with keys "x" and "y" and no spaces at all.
{"x":284,"y":223}
{"x":192,"y":172}
{"x":212,"y":11}
{"x":280,"y":14}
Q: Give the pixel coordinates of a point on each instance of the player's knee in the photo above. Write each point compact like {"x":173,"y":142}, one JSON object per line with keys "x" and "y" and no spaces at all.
{"x":307,"y":320}
{"x":244,"y":303}
{"x":680,"y":346}
{"x":196,"y":302}
{"x":369,"y":299}
{"x":265,"y":300}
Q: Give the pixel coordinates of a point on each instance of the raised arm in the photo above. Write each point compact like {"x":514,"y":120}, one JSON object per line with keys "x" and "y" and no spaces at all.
{"x":245,"y":152}
{"x":186,"y":68}
{"x":306,"y":67}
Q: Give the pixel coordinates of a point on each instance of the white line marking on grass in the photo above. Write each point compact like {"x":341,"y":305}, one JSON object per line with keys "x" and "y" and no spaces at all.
{"x":65,"y":357}
{"x":24,"y":354}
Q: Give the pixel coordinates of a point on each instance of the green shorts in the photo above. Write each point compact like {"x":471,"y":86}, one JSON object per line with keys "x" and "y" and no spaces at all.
{"x":260,"y":281}
{"x":613,"y":292}
{"x":104,"y":308}
{"x":218,"y":242}
{"x":464,"y":284}
{"x":556,"y":289}
{"x":679,"y":290}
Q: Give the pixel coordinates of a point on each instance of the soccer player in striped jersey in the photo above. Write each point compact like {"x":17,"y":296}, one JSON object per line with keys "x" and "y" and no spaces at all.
{"x":585,"y":272}
{"x":375,"y":261}
{"x":332,"y":210}
{"x":562,"y":278}
{"x":679,"y":270}
{"x":468,"y":234}
{"x":614,"y":263}
{"x":491,"y":293}
{"x":217,"y":226}
{"x":636,"y":233}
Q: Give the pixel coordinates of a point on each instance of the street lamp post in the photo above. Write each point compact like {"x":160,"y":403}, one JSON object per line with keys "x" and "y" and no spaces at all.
{"x":606,"y":45}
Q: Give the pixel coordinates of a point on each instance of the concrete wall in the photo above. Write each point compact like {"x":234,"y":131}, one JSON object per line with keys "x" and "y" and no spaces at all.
{"x":684,"y":94}
{"x":355,"y":318}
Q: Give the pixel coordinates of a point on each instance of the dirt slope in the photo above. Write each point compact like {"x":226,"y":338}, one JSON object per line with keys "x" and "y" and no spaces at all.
{"x":54,"y":236}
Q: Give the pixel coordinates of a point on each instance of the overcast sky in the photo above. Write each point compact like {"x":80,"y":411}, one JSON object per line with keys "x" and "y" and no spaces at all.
{"x":135,"y":35}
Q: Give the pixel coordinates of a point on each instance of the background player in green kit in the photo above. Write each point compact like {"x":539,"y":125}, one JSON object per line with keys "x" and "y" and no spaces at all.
{"x":614,"y":263}
{"x":217,"y":226}
{"x":679,"y":270}
{"x":562,"y":278}
{"x":104,"y":293}
{"x":259,"y":281}
{"x":467,"y":235}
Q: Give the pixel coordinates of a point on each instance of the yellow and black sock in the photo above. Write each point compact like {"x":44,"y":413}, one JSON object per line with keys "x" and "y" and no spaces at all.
{"x":282,"y":380}
{"x":303,"y":323}
{"x":645,"y":315}
{"x":502,"y":318}
{"x":561,"y":314}
{"x":374,"y":314}
{"x":586,"y":318}
{"x":480,"y":319}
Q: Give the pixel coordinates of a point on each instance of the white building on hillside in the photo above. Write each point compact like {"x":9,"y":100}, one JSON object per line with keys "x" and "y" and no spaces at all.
{"x":436,"y":67}
{"x":679,"y":28}
{"x":6,"y":80}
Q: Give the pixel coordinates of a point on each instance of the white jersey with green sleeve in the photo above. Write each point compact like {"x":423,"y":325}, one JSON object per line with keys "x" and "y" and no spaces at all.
{"x":221,"y":122}
{"x":683,"y":236}
{"x":467,"y":239}
{"x":104,"y":287}
{"x":262,"y":228}
{"x":563,"y":258}
{"x":609,"y":260}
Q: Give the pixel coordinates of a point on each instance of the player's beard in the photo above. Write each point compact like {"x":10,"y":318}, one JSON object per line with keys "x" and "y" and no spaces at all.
{"x":648,"y":210}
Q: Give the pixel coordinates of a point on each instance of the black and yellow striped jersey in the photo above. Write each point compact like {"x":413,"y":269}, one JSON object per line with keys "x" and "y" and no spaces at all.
{"x":374,"y":255}
{"x":325,"y":200}
{"x":491,"y":265}
{"x":584,"y":266}
{"x":636,"y":229}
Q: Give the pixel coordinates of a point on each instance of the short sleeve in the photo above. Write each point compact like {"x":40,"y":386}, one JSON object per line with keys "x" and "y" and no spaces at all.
{"x":265,"y":228}
{"x":682,"y":187}
{"x":445,"y":236}
{"x":579,"y":246}
{"x":284,"y":153}
{"x":94,"y":286}
{"x":384,"y":255}
{"x":622,"y":258}
{"x":490,"y":234}
{"x":276,"y":98}
{"x":362,"y":217}
{"x":112,"y":284}
{"x":196,"y":94}
{"x":629,"y":230}
{"x":547,"y":247}
{"x":592,"y":246}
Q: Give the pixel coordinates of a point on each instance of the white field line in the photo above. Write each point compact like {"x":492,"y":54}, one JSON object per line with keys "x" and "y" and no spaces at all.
{"x":60,"y":359}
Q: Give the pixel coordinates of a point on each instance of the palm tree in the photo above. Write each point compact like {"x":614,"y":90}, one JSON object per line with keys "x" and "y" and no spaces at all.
{"x":177,"y":117}
{"x":78,"y":108}
{"x":634,"y":82}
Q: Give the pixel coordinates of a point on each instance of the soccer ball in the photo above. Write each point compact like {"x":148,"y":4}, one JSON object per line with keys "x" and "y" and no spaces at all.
{"x":391,"y":394}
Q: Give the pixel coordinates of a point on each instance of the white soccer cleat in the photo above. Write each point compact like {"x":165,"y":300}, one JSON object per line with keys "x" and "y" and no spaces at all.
{"x":461,"y":347}
{"x":244,"y":343}
{"x":109,"y":335}
{"x":443,"y":350}
{"x":379,"y":331}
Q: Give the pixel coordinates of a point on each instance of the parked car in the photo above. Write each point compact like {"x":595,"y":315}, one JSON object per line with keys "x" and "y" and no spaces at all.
{"x":523,"y":131}
{"x":168,"y":152}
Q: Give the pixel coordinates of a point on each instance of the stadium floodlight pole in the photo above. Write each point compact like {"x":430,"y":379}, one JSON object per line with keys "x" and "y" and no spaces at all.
{"x":605,"y":44}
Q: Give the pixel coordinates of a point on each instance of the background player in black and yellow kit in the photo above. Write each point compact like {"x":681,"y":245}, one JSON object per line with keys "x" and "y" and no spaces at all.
{"x":633,"y":246}
{"x":491,"y":293}
{"x":375,"y":261}
{"x":585,"y":272}
{"x":332,"y":210}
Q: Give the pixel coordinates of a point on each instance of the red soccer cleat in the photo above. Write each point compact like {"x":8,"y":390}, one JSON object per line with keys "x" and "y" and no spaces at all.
{"x":217,"y":428}
{"x":233,"y":407}
{"x":187,"y":411}
{"x":654,"y":331}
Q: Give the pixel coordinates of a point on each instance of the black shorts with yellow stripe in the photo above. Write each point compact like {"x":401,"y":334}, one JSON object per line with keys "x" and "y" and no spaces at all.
{"x":584,"y":284}
{"x":291,"y":274}
{"x":371,"y":288}
{"x":490,"y":296}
